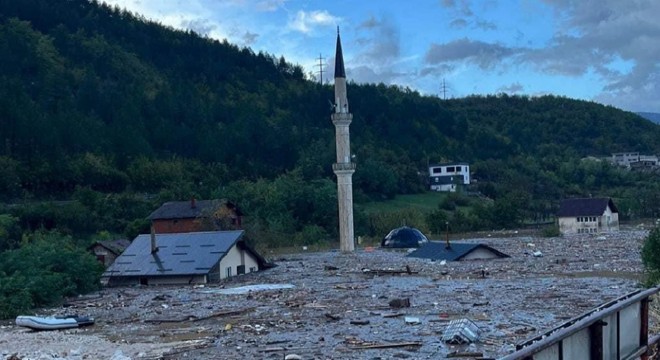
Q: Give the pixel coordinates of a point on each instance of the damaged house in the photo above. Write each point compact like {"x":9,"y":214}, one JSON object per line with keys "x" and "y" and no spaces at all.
{"x":106,"y":251}
{"x":588,"y":216}
{"x":184,"y":258}
{"x":196,"y":215}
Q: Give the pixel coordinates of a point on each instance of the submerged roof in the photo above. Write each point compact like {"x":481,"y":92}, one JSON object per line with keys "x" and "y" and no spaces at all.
{"x":404,"y":237}
{"x":436,"y":250}
{"x":585,"y":207}
{"x":339,"y":59}
{"x":178,"y":254}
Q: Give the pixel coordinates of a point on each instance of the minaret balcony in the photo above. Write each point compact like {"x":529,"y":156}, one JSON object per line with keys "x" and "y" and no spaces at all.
{"x":342,"y":118}
{"x":343,"y":166}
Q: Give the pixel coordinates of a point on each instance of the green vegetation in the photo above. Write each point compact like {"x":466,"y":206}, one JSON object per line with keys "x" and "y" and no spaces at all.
{"x":104,"y":116}
{"x":46,"y":268}
{"x":650,"y":257}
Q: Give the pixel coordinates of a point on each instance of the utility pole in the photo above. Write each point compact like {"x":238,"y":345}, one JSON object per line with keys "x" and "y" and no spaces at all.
{"x":443,"y":89}
{"x":320,"y":65}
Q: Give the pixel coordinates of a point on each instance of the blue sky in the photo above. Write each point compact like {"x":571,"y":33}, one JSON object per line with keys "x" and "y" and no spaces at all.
{"x":606,"y":51}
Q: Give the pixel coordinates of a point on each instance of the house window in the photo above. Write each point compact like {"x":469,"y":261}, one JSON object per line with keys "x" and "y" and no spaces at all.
{"x":437,"y":170}
{"x":450,"y":169}
{"x":228,"y":271}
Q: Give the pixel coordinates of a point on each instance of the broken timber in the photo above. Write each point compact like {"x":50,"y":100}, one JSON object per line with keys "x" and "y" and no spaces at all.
{"x":195,"y":318}
{"x":386,"y":346}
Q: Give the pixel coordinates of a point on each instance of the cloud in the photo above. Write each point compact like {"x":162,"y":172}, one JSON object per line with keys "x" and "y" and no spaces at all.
{"x":485,"y":25}
{"x":482,"y":54}
{"x":381,"y":43}
{"x":304,"y":21}
{"x":461,"y":6}
{"x":593,"y":34}
{"x":270,"y":5}
{"x":459,"y":23}
{"x":378,"y":57}
{"x":512,"y":88}
{"x":201,"y":26}
{"x":437,"y":70}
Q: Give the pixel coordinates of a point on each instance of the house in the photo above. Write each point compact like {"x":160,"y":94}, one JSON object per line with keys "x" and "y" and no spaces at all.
{"x":625,"y":158}
{"x":435,"y":250}
{"x":184,"y":258}
{"x":645,"y":163}
{"x":449,"y":177}
{"x":588,"y":216}
{"x":195,"y":215}
{"x":106,"y":251}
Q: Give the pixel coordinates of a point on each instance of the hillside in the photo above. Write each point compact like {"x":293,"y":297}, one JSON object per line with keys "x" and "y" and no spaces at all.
{"x":98,"y":101}
{"x":654,"y":117}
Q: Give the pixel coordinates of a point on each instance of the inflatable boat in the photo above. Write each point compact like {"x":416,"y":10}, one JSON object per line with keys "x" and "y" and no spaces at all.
{"x":53,"y":322}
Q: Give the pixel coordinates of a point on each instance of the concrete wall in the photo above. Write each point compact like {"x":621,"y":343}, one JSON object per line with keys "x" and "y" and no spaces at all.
{"x":233,"y":259}
{"x":157,"y":280}
{"x":608,"y":222}
{"x":480,"y":254}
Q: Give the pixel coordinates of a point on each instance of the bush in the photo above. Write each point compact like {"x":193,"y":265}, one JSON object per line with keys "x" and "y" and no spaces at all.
{"x":651,"y":256}
{"x":551,"y":231}
{"x":44,"y":270}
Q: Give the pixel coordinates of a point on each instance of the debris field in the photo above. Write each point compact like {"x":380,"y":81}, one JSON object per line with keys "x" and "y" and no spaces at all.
{"x":371,"y":304}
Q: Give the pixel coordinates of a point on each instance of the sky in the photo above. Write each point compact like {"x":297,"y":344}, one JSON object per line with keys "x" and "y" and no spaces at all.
{"x":607,"y":51}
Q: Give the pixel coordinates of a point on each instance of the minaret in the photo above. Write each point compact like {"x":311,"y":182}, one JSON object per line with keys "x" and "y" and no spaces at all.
{"x":343,"y":168}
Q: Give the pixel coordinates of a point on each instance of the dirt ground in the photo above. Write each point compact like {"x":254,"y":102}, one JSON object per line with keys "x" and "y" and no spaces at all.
{"x":339,"y":306}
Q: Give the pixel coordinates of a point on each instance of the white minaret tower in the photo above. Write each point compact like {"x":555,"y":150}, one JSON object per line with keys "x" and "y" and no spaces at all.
{"x":343,"y":168}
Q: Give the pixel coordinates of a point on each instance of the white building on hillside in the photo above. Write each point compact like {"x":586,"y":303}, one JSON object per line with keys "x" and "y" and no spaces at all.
{"x":448,"y":177}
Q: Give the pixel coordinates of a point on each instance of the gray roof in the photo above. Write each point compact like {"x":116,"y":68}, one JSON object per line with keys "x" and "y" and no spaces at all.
{"x":114,"y":246}
{"x":585,"y":207}
{"x":193,"y":253}
{"x":449,"y":164}
{"x":436,"y":250}
{"x":183,"y":209}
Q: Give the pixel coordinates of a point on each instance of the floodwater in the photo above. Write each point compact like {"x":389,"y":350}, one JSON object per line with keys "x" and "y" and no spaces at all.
{"x":330,"y":305}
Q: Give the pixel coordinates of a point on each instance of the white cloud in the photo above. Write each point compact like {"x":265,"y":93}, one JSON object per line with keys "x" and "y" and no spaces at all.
{"x":483,"y":54}
{"x":602,"y":31}
{"x":305,"y":22}
{"x":270,"y":5}
{"x":512,"y":88}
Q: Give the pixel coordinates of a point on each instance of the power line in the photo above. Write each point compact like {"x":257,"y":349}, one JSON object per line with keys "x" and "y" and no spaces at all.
{"x":320,"y":65}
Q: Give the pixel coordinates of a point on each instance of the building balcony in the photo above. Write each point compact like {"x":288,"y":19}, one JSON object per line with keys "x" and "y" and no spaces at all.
{"x":343,"y":166}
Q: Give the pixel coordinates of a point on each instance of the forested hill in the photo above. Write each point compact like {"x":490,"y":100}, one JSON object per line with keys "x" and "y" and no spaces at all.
{"x":97,"y":97}
{"x":655,"y":117}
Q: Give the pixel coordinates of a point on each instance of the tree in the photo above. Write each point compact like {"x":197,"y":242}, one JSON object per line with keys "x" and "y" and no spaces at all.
{"x":47,"y":268}
{"x":651,"y":256}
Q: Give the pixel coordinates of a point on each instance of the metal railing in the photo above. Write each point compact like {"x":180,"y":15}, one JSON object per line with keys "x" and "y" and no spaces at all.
{"x":593,"y":320}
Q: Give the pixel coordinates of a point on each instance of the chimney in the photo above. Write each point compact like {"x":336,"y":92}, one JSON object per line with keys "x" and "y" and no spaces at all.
{"x":154,"y":248}
{"x":192,"y":203}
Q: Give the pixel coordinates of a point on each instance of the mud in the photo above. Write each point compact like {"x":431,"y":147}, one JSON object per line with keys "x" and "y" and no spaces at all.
{"x":339,"y":305}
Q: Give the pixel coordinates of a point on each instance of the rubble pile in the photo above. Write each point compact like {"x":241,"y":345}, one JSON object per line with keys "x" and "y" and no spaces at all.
{"x":362,"y":305}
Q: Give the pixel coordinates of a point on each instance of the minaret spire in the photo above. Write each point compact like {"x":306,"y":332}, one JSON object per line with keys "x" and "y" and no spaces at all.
{"x":339,"y":59}
{"x":343,"y":168}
